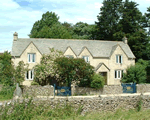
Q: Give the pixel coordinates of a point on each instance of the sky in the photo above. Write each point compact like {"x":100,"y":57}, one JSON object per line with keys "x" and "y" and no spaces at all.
{"x":20,"y":15}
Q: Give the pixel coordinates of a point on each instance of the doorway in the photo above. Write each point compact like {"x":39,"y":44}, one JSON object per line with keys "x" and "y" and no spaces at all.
{"x":104,"y":74}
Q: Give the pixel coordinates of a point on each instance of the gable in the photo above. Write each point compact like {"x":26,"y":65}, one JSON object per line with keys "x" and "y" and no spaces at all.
{"x":85,"y":52}
{"x":102,"y":67}
{"x":69,"y":51}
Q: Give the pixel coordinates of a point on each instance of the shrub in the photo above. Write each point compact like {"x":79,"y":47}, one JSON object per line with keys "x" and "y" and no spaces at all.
{"x":135,"y":74}
{"x":98,"y":81}
{"x":76,"y":70}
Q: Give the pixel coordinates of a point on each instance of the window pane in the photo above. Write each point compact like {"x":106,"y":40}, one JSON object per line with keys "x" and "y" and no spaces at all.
{"x":115,"y":74}
{"x":31,"y":74}
{"x":120,"y":59}
{"x":27,"y":75}
{"x":28,"y":57}
{"x":116,"y":58}
{"x":33,"y":57}
{"x":119,"y":74}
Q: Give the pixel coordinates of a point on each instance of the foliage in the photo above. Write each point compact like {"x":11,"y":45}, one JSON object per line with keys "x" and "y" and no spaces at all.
{"x":28,"y":110}
{"x":98,"y":81}
{"x":136,"y":73}
{"x":34,"y":83}
{"x":19,"y":72}
{"x":7,"y":92}
{"x":108,"y":19}
{"x":46,"y":70}
{"x":76,"y":70}
{"x":48,"y":19}
{"x":139,"y":104}
{"x":6,"y":69}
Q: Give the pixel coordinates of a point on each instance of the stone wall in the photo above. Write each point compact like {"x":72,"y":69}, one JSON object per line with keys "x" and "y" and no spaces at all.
{"x":142,"y":88}
{"x":36,"y":90}
{"x":113,"y":89}
{"x":95,"y":103}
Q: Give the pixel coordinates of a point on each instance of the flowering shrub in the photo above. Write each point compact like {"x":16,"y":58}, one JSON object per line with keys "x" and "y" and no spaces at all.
{"x":47,"y":69}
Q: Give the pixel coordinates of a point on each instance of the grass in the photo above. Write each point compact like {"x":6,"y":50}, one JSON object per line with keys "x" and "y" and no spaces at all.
{"x":29,"y":111}
{"x":7,"y":93}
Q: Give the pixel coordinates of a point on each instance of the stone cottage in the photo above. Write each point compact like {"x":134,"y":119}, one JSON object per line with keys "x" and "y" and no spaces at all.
{"x":110,"y":58}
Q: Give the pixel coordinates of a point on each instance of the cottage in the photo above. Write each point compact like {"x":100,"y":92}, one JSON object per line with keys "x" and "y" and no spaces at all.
{"x":110,"y":58}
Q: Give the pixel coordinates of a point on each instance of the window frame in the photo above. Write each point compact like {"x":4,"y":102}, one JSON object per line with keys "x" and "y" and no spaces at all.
{"x":30,"y":75}
{"x":86,"y":60}
{"x":118,"y":74}
{"x":119,"y":59}
{"x":31,"y":57}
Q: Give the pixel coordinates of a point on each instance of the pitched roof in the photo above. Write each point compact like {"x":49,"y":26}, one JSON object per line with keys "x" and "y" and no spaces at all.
{"x":97,"y":48}
{"x":99,"y":65}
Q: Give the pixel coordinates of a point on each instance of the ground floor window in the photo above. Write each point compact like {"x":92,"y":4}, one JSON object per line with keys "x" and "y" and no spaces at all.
{"x":118,"y":74}
{"x":30,"y":75}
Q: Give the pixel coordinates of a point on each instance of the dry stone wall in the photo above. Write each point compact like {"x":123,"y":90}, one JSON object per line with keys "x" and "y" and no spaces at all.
{"x":36,"y":90}
{"x":143,"y":88}
{"x":112,"y":89}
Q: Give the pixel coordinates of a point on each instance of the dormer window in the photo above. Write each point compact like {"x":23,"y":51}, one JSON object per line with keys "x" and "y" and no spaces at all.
{"x":86,"y":58}
{"x":118,"y":58}
{"x":31,"y":57}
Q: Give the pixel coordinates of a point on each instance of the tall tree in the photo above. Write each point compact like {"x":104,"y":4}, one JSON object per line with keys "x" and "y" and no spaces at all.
{"x":48,"y":19}
{"x":108,"y":19}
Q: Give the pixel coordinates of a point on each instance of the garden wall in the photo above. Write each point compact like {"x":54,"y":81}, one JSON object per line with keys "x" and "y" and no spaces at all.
{"x":142,"y":88}
{"x":36,"y":90}
{"x":113,"y":89}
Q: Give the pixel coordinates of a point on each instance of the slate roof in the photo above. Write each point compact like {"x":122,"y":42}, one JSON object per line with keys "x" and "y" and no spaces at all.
{"x":97,"y":48}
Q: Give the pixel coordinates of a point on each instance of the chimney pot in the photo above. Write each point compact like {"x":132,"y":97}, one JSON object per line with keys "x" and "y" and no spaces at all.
{"x":125,"y":40}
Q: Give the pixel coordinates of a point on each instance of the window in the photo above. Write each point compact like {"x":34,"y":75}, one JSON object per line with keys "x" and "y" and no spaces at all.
{"x":118,"y":58}
{"x":86,"y":58}
{"x":118,"y":74}
{"x":30,"y":75}
{"x":31,"y":57}
{"x":69,"y":56}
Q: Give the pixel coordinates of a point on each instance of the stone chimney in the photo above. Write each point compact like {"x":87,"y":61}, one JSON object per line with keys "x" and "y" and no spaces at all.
{"x":15,"y":36}
{"x":125,"y":40}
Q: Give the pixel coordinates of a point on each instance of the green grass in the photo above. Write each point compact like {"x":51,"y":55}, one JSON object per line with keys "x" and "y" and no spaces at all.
{"x":7,"y":93}
{"x":29,"y":111}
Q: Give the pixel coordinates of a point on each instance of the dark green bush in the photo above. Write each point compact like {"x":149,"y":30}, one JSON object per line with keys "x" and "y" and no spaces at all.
{"x":34,"y":83}
{"x":98,"y":81}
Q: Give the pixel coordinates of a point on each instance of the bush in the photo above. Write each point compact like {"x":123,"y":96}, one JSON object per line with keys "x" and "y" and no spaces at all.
{"x":34,"y":83}
{"x":76,"y":70}
{"x":98,"y":81}
{"x":7,"y":92}
{"x":135,"y":74}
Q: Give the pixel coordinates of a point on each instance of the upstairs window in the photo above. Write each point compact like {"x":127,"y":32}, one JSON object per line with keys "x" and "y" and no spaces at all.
{"x":69,"y":56}
{"x":30,"y":75}
{"x":86,"y":58}
{"x":31,"y":57}
{"x":118,"y":58}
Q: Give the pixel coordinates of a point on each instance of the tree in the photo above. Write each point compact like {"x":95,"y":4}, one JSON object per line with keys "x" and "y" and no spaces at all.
{"x":136,"y":74}
{"x":6,"y":69}
{"x":48,"y":19}
{"x":108,"y":19}
{"x":46,"y":70}
{"x":74,"y":70}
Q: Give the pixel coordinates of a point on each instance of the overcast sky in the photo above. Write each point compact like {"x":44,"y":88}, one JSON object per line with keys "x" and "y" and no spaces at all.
{"x":20,"y":15}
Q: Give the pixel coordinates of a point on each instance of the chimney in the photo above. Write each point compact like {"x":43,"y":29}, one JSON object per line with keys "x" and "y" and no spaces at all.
{"x":125,"y":40}
{"x":15,"y":36}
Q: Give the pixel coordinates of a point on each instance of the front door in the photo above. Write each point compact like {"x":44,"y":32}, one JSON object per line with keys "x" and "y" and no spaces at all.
{"x":104,"y":74}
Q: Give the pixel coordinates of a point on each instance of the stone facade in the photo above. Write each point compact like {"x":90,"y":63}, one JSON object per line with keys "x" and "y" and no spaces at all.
{"x":101,"y":54}
{"x":35,"y":90}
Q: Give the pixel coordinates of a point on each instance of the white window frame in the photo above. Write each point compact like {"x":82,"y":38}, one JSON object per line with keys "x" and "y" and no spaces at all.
{"x":31,"y":57}
{"x":30,"y":77}
{"x":118,"y":74}
{"x":69,"y":56}
{"x":86,"y":58}
{"x":119,"y":59}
